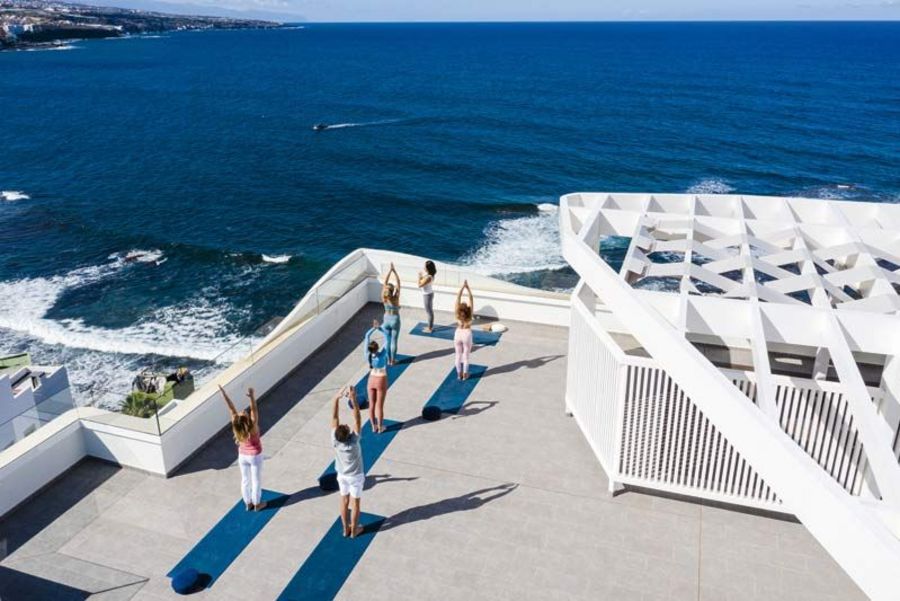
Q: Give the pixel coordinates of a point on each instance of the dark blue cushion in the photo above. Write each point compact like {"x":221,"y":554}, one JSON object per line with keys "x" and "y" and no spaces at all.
{"x":431,"y":413}
{"x":185,"y":580}
{"x":328,"y":482}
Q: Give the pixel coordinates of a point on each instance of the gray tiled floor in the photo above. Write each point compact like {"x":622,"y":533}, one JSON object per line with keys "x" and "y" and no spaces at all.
{"x":504,"y":501}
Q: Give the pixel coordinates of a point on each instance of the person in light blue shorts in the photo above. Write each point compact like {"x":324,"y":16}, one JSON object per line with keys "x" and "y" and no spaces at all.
{"x":390,"y":295}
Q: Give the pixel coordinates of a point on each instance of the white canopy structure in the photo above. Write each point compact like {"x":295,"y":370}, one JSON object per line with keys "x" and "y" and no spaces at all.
{"x":749,"y":347}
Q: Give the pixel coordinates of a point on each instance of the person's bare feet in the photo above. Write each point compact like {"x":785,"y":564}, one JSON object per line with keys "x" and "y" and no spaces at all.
{"x":260,"y":506}
{"x":359,"y":530}
{"x":428,"y":330}
{"x":346,"y":531}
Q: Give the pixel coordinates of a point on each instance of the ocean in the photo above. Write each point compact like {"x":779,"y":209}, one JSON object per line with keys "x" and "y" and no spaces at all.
{"x":154,"y":173}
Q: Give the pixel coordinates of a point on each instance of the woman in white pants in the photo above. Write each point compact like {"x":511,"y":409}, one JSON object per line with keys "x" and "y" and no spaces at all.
{"x":245,"y":427}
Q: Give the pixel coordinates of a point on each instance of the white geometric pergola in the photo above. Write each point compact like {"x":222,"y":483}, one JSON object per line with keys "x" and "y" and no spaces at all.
{"x":806,"y":273}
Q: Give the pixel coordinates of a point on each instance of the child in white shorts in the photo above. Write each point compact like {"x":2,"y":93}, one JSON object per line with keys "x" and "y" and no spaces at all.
{"x":348,"y":461}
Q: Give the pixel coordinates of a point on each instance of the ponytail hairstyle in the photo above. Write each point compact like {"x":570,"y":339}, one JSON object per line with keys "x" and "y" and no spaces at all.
{"x":430,"y":269}
{"x":241,"y":427}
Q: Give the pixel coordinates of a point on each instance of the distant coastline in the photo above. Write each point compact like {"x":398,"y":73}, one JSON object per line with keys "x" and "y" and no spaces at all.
{"x":34,"y":24}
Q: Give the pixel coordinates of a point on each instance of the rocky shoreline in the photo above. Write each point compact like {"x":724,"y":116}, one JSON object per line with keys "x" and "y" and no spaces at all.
{"x":36,"y":24}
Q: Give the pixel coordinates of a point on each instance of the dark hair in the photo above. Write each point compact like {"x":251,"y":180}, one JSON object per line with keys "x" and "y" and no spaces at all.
{"x":430,"y":268}
{"x":373,"y":349}
{"x":342,"y":433}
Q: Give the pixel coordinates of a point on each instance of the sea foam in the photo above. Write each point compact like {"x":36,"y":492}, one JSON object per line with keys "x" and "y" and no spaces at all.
{"x":197,"y":328}
{"x":13,"y":195}
{"x":710,"y":186}
{"x":276,"y":259}
{"x":519,"y":245}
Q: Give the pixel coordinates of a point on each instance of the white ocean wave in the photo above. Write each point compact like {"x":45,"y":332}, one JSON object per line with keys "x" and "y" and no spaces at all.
{"x":197,"y":328}
{"x":833,"y":192}
{"x":276,"y":259}
{"x":548,"y":207}
{"x":710,"y":186}
{"x":49,"y":48}
{"x":13,"y":195}
{"x":137,"y":255}
{"x":519,"y":245}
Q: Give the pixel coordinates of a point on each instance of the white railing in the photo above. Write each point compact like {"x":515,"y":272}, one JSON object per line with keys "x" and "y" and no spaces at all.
{"x":855,"y":533}
{"x":593,"y":385}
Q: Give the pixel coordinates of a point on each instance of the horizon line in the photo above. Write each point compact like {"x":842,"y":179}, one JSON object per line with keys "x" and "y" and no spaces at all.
{"x":590,"y":21}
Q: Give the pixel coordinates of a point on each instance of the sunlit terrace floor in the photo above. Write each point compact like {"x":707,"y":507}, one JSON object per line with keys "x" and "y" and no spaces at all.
{"x":503,"y":501}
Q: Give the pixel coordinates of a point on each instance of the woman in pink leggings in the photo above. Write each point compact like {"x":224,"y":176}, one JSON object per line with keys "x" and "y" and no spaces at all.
{"x":377,"y":385}
{"x":462,"y":339}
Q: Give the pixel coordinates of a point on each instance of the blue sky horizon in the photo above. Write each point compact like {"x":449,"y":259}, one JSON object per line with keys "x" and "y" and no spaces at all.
{"x":511,"y":11}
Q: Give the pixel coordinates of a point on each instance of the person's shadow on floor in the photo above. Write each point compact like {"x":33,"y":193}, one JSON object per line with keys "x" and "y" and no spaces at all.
{"x":535,"y":363}
{"x":375,"y":479}
{"x":466,"y":502}
{"x":474,"y":408}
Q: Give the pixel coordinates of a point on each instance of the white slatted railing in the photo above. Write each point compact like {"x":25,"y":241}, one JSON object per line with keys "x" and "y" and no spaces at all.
{"x":667,"y":443}
{"x":592,"y":390}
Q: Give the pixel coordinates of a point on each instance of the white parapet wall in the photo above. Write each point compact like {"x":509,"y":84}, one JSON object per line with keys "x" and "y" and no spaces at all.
{"x":31,"y":463}
{"x":160,"y":445}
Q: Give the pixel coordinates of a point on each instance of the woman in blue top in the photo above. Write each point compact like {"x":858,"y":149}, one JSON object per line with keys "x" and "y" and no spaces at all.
{"x":390,"y":295}
{"x":378,"y":383}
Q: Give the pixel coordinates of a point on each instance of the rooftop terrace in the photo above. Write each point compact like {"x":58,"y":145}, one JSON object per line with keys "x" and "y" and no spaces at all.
{"x":504,"y":500}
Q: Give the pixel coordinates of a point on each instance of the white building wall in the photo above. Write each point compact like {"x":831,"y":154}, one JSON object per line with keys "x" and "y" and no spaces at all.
{"x":39,"y":459}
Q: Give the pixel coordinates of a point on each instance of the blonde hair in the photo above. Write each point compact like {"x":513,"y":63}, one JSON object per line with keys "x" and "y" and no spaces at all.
{"x":241,"y":427}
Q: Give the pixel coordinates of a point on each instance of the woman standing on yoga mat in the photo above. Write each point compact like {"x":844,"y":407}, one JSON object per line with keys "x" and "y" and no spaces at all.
{"x":425,"y":281}
{"x":390,"y":295}
{"x":245,"y":427}
{"x":378,"y":380}
{"x":462,"y":338}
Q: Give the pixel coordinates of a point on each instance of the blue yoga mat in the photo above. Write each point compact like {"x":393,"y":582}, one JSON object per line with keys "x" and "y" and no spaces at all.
{"x":393,"y":371}
{"x":332,"y":561}
{"x":373,"y":445}
{"x":451,"y":395}
{"x":212,"y":555}
{"x":446,"y":333}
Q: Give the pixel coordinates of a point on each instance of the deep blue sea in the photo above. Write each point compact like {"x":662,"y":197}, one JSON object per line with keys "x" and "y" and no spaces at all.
{"x":196,"y":150}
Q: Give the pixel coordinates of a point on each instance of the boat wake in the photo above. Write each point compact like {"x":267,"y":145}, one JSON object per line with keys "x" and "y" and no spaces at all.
{"x":364,"y":124}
